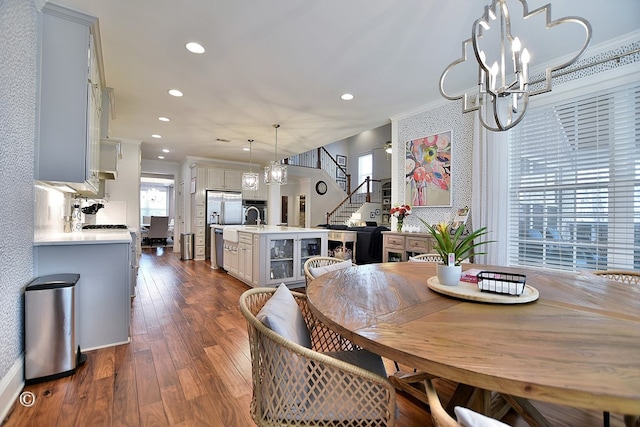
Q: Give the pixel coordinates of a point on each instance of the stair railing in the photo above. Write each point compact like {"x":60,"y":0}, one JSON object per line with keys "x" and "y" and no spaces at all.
{"x":368,"y":185}
{"x":320,"y":158}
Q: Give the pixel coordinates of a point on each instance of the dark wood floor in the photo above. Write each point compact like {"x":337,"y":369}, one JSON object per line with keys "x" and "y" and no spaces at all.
{"x":188,"y":363}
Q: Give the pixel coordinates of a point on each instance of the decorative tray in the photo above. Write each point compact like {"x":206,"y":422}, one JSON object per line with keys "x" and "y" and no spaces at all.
{"x":469,"y":291}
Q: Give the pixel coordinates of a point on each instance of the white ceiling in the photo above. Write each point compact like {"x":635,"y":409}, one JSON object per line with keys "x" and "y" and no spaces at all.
{"x":288,"y":62}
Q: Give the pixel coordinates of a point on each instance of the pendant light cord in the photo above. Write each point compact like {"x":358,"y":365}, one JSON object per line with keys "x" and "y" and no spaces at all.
{"x":276,"y":126}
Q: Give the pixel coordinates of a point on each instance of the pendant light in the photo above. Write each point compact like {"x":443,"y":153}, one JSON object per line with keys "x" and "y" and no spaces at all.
{"x":250,"y":180}
{"x":275,"y":173}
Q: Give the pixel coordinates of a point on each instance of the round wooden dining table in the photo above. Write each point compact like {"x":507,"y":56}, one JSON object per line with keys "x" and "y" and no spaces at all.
{"x":578,"y":344}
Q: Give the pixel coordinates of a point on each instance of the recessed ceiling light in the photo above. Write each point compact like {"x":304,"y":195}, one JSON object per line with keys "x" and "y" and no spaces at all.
{"x":245,"y":149}
{"x":164,"y":119}
{"x":175,"y":92}
{"x":194,"y":47}
{"x":161,"y":157}
{"x":156,"y":136}
{"x":165,"y":150}
{"x":346,"y":97}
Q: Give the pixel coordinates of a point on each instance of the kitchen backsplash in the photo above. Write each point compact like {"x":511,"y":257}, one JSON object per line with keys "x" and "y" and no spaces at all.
{"x":52,"y":205}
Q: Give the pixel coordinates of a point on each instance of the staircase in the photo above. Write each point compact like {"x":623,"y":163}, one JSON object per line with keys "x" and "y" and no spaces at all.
{"x":369,"y":191}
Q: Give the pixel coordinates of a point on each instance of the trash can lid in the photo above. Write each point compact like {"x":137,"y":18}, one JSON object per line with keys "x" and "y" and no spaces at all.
{"x":53,"y":281}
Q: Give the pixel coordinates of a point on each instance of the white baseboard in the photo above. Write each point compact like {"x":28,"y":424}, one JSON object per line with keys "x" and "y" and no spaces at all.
{"x":10,"y":387}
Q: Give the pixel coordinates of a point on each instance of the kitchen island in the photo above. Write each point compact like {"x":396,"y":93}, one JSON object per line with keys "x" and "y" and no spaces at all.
{"x":269,"y":255}
{"x":103,"y":293}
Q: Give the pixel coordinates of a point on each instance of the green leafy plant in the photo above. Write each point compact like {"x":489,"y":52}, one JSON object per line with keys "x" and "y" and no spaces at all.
{"x":462,"y":246}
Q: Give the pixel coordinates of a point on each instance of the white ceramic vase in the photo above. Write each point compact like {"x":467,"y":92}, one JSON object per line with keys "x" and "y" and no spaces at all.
{"x":449,"y":274}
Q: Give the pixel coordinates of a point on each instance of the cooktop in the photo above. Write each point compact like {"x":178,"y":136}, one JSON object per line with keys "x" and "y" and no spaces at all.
{"x":104,"y":227}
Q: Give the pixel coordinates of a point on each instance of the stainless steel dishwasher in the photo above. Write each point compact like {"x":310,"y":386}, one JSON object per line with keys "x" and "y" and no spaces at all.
{"x":219,"y":242}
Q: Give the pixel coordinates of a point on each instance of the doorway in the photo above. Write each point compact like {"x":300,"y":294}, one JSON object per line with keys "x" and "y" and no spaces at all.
{"x":284,"y":210}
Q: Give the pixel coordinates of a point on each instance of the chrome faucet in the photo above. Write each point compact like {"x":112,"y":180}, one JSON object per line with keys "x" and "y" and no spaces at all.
{"x":258,"y":220}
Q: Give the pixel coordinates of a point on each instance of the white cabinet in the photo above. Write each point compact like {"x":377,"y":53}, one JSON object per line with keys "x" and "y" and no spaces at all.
{"x":259,"y":194}
{"x":231,"y":258}
{"x":245,"y":257}
{"x":223,"y":179}
{"x":70,"y":99}
{"x":282,"y":256}
{"x":215,"y":179}
{"x":200,"y":176}
{"x":269,"y":258}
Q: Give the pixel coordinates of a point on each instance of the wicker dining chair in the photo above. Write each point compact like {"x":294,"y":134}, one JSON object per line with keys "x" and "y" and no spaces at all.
{"x":629,"y":277}
{"x":427,"y":258}
{"x":298,"y":386}
{"x":318,"y":261}
{"x":623,"y":276}
{"x":442,"y":419}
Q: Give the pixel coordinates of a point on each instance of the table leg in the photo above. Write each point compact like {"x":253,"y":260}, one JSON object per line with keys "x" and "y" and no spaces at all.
{"x":526,"y":410}
{"x":411,"y":383}
{"x":632,"y":421}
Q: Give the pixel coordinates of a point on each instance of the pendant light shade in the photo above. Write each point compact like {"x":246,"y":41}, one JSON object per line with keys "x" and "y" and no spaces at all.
{"x":250,"y":180}
{"x":275,"y":173}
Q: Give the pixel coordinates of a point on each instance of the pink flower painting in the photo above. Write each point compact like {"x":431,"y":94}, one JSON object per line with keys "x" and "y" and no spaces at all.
{"x":428,"y":171}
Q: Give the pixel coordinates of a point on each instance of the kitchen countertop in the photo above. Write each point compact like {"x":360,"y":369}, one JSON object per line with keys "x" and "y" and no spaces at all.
{"x":269,"y":229}
{"x":230,"y":232}
{"x":85,"y":237}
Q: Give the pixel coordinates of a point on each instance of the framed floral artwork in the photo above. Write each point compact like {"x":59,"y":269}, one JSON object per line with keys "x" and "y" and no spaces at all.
{"x":428,"y":170}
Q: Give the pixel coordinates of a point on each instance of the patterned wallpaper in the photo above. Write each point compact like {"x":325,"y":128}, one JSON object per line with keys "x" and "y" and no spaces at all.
{"x":449,"y":117}
{"x":18,"y":32}
{"x":437,"y":120}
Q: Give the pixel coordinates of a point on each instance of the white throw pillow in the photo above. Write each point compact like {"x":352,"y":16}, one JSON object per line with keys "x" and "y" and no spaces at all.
{"x":282,"y":315}
{"x":468,"y":418}
{"x":319,"y":271}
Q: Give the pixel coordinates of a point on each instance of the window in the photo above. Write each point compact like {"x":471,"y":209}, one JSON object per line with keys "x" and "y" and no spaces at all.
{"x":574,"y":174}
{"x":155,"y":197}
{"x":365,"y":169}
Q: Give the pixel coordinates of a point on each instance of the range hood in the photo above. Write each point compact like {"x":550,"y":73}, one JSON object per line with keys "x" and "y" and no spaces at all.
{"x":110,"y":153}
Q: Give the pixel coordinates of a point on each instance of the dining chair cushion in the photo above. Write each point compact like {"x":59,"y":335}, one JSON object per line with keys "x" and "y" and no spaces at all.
{"x":363,"y":359}
{"x":319,"y":271}
{"x":282,"y":315}
{"x":468,"y":418}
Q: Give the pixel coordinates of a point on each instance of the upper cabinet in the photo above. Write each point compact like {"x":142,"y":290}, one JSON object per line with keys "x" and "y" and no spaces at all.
{"x":221,"y":179}
{"x":70,"y":105}
{"x":110,"y":154}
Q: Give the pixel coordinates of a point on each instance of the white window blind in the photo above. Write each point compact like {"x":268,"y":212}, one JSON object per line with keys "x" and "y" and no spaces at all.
{"x":574,"y":180}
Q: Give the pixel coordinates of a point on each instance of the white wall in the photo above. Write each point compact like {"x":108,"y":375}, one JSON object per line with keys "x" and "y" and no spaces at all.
{"x":371,"y":141}
{"x":125,"y":190}
{"x":18,"y":83}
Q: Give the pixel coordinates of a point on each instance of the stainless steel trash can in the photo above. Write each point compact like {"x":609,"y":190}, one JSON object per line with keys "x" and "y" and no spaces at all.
{"x":51,"y":348}
{"x":186,"y":246}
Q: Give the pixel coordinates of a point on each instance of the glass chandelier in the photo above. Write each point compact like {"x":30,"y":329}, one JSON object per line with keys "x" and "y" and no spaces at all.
{"x":250,"y":179}
{"x":503,"y":87}
{"x":275,"y":173}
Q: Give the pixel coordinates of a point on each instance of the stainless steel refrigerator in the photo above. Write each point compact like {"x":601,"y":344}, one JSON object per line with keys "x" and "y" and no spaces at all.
{"x":223,"y":207}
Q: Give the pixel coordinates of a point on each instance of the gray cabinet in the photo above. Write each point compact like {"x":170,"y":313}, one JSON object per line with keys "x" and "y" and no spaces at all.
{"x":103,"y":293}
{"x":70,"y":99}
